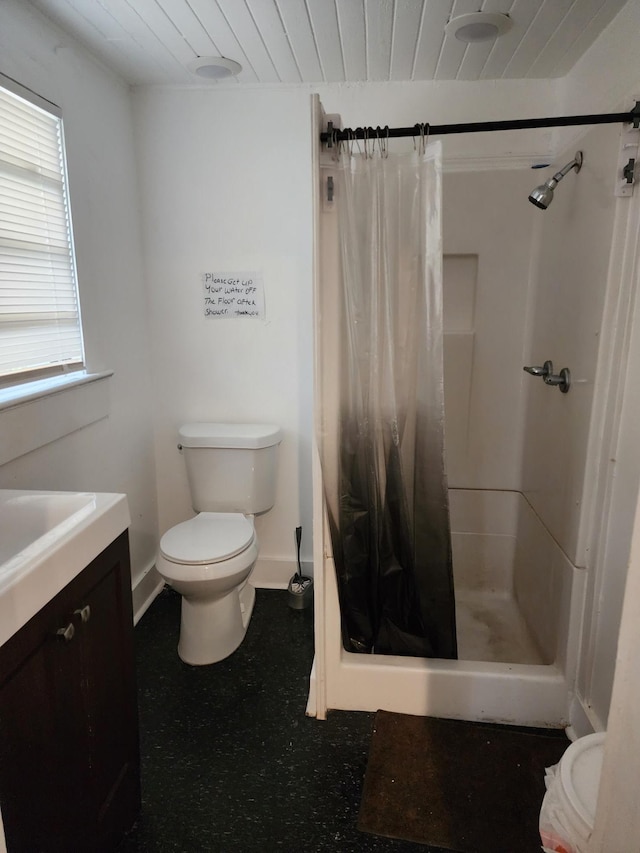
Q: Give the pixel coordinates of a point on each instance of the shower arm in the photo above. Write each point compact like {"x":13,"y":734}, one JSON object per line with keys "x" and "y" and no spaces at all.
{"x":576,"y":164}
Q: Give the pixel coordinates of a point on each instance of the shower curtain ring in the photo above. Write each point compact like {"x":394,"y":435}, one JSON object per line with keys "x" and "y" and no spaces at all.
{"x":337,"y":147}
{"x":421,"y":148}
{"x":416,"y":127}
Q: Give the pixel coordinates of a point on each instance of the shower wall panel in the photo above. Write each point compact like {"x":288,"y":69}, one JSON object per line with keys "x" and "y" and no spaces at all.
{"x":573,"y":258}
{"x":487,"y":247}
{"x":460,"y":279}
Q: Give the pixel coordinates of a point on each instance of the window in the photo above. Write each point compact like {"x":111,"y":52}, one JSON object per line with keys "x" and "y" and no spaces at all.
{"x":40,"y":329}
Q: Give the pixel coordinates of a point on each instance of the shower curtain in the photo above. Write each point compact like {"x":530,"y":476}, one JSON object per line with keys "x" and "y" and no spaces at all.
{"x":390,"y":517}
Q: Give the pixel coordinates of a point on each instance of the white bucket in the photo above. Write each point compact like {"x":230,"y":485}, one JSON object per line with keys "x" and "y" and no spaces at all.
{"x":569,"y":806}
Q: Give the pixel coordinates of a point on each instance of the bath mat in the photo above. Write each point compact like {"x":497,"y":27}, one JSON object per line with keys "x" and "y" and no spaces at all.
{"x":454,"y":785}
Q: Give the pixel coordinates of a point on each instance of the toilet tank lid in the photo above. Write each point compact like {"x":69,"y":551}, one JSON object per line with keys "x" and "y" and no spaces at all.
{"x":251,"y":436}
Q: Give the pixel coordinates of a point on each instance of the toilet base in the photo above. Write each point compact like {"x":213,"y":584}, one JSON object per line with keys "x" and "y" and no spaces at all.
{"x":212,"y":630}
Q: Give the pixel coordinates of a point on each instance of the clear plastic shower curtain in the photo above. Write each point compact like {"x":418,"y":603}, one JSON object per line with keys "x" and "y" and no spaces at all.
{"x":390,"y":517}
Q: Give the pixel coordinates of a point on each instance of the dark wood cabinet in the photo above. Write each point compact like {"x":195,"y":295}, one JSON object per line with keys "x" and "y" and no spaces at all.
{"x":69,"y":752}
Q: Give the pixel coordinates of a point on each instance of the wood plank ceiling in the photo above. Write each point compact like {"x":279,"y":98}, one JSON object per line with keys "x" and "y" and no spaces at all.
{"x":331,"y":41}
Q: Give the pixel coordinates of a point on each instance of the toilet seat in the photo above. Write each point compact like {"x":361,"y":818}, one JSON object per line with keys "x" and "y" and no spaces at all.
{"x":210,"y":537}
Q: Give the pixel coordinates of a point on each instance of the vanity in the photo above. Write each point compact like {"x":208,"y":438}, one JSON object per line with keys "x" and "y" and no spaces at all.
{"x":69,"y":752}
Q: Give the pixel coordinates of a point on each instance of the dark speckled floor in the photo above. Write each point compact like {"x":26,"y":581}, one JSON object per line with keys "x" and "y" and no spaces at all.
{"x":230,"y":762}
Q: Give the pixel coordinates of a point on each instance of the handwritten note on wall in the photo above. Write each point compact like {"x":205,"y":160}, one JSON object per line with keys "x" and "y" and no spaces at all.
{"x":237,"y":294}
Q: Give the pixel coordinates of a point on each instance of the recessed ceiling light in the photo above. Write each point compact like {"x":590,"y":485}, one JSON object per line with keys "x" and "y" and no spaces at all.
{"x":214,"y":67}
{"x":478,"y":26}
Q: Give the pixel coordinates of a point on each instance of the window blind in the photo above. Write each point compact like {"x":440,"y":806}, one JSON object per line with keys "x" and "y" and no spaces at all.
{"x":40,"y":329}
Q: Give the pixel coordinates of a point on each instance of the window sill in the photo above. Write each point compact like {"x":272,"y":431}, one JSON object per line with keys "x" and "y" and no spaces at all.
{"x":16,"y":395}
{"x":39,"y":412}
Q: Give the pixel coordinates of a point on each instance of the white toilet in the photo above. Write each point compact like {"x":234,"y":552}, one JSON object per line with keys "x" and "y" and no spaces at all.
{"x":569,"y":806}
{"x":231,"y":470}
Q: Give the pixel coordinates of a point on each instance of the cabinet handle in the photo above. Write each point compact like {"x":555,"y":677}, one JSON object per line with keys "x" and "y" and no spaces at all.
{"x":66,"y":633}
{"x":84,"y":613}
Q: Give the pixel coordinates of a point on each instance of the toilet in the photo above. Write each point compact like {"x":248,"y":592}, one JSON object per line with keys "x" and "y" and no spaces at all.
{"x":231,"y":469}
{"x":569,"y":805}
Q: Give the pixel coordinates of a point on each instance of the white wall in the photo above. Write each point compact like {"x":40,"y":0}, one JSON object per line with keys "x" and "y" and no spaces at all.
{"x":606,"y":78}
{"x":226,"y":186}
{"x":573,"y":258}
{"x":114,"y":454}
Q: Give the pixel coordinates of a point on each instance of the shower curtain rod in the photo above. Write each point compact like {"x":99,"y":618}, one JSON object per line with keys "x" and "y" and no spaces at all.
{"x":333,"y":135}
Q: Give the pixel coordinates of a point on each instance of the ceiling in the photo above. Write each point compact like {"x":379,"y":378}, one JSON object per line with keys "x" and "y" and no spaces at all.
{"x":330,"y":41}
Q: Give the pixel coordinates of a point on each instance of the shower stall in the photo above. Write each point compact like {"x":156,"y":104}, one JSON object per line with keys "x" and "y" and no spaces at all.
{"x":524,"y":461}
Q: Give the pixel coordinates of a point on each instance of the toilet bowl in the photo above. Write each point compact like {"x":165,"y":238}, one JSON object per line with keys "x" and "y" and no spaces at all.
{"x":208,"y":559}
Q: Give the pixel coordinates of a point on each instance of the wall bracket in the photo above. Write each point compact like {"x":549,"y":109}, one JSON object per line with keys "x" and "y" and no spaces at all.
{"x":628,"y":153}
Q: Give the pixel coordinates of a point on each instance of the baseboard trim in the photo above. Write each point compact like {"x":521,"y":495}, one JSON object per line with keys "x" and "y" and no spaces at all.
{"x":268,"y":573}
{"x":312,"y":703}
{"x":271,"y":573}
{"x":145,"y":590}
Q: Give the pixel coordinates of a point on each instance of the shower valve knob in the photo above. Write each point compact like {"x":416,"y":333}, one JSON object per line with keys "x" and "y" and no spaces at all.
{"x":562,"y":379}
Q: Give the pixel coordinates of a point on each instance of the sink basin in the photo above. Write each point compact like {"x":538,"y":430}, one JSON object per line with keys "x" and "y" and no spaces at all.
{"x":31,"y":520}
{"x":46,"y":539}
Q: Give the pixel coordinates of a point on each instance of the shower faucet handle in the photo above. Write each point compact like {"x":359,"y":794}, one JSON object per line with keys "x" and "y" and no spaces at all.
{"x":562,"y":380}
{"x":544,"y":371}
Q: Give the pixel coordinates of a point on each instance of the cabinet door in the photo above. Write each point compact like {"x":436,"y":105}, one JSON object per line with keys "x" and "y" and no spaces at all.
{"x":109,"y":694}
{"x":43,"y":739}
{"x":69,"y":757}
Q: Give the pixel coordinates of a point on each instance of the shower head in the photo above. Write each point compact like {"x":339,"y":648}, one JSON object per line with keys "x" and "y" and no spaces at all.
{"x":542,"y":196}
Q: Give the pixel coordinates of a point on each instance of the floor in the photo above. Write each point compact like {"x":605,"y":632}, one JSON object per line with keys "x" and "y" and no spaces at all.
{"x":230,"y":762}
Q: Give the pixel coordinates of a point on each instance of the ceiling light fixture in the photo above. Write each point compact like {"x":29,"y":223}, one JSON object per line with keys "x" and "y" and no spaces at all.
{"x":214,"y":67}
{"x":478,"y":26}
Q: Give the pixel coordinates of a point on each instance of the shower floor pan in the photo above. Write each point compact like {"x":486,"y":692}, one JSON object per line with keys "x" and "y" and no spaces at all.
{"x":490,"y":627}
{"x":518,"y":607}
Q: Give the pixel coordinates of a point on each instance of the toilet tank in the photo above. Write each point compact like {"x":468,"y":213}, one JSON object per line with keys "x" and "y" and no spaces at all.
{"x":231,"y":467}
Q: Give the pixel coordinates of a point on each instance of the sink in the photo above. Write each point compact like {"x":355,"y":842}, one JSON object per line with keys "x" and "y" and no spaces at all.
{"x":46,"y":539}
{"x":32,"y":520}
